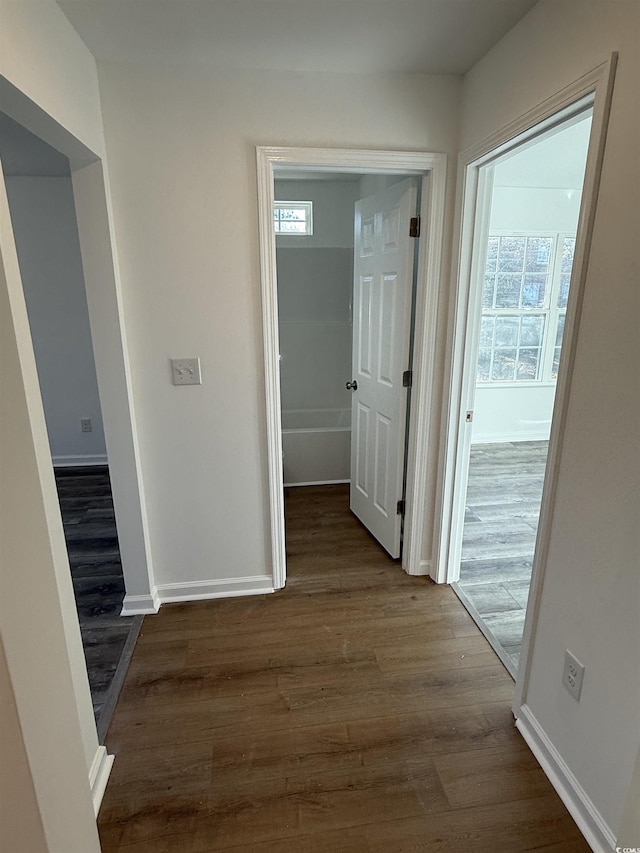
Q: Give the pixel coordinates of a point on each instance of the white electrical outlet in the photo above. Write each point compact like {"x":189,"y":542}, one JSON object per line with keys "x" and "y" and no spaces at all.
{"x":572,"y":675}
{"x":186,"y":371}
{"x":85,"y":425}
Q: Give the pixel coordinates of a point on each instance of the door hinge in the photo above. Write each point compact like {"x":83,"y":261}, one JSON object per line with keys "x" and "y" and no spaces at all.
{"x":407,"y":378}
{"x":400,"y":507}
{"x":414,"y":226}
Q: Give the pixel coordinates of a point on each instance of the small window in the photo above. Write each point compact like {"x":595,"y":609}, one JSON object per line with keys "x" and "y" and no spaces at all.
{"x":293,"y":217}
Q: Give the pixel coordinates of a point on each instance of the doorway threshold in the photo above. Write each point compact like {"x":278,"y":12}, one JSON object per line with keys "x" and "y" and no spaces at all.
{"x":105,"y":713}
{"x":495,"y":644}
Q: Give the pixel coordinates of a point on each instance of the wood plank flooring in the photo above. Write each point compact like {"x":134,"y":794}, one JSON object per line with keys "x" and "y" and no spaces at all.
{"x":359,"y":710}
{"x":501,"y":522}
{"x":88,"y":518}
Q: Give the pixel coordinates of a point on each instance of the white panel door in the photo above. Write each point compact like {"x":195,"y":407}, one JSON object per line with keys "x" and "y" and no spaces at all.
{"x":382,"y":286}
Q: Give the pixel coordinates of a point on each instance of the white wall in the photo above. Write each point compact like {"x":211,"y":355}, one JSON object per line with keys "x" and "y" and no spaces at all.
{"x":512,"y":414}
{"x":591,"y":597}
{"x":630,"y":825}
{"x":314,"y":298}
{"x":315,"y":281}
{"x":43,"y":57}
{"x":534,"y":208}
{"x":46,"y":234}
{"x":190,"y":270}
{"x":20,"y":823}
{"x":333,"y":202}
{"x":370,"y":184}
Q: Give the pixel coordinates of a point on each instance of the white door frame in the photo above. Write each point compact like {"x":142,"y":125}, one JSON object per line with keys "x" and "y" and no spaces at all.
{"x":420,"y":461}
{"x":594,"y":88}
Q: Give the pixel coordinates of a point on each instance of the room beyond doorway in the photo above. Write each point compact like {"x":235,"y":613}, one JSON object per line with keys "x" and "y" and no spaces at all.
{"x":345,"y":257}
{"x":498,"y":544}
{"x":527,"y":215}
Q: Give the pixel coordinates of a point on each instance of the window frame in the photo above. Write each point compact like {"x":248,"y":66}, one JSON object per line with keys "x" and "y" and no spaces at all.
{"x":551,"y":312}
{"x":288,"y":205}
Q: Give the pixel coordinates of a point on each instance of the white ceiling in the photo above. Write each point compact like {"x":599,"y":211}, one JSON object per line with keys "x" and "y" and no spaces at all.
{"x":22,"y":153}
{"x":350,"y":36}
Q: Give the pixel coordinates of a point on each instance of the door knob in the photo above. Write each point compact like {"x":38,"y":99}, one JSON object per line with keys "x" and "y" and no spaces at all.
{"x":352,"y":386}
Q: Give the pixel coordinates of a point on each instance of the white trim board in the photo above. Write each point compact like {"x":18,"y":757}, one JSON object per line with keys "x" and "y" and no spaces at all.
{"x":317,"y":483}
{"x":99,"y":776}
{"x":148,"y":605}
{"x":588,"y":819}
{"x":140,"y":605}
{"x":421,"y":459}
{"x":80,"y":460}
{"x":219,"y":588}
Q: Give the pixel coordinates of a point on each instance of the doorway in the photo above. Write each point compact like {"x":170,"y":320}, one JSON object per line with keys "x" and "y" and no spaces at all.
{"x":396,"y":165}
{"x":42,"y":208}
{"x":526,"y":221}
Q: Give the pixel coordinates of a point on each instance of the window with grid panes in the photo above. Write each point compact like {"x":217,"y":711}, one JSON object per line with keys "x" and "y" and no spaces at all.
{"x":293,"y":217}
{"x":524,"y":302}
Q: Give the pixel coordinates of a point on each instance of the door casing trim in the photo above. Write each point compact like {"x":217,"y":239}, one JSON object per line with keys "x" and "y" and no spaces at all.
{"x":421,"y":456}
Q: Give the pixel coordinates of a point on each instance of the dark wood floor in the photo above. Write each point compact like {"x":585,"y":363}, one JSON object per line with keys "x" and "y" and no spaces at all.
{"x":357,"y":710}
{"x":86,"y":505}
{"x":501,"y":522}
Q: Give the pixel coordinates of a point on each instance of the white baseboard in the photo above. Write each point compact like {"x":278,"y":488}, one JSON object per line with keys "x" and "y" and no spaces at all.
{"x":424,"y":569}
{"x":140,"y":605}
{"x":99,"y":776}
{"x":79,"y":461}
{"x":589,"y":820}
{"x":317,"y":483}
{"x":223,"y":588}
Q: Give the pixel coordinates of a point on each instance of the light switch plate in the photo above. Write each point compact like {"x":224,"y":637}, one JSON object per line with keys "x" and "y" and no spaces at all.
{"x":186,"y":371}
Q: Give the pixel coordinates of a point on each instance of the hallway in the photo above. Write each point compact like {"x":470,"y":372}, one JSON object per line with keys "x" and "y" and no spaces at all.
{"x":359,"y":709}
